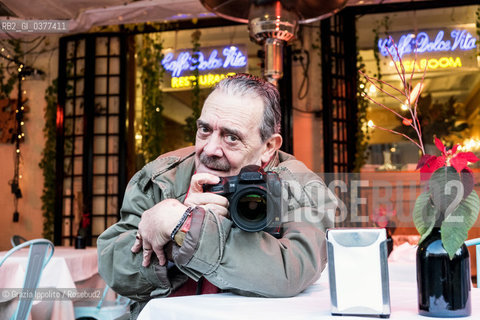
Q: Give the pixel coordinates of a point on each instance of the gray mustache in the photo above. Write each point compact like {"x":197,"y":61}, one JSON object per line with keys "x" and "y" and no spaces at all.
{"x":215,"y":163}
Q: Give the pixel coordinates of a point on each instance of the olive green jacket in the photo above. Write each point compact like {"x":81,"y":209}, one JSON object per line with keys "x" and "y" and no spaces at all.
{"x":246,"y":263}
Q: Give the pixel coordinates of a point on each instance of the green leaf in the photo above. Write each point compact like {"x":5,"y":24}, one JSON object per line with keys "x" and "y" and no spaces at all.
{"x":434,"y":214}
{"x":445,"y":185}
{"x":456,"y":225}
{"x":424,"y":215}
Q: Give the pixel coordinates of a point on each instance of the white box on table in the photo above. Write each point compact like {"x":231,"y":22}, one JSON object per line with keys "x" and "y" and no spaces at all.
{"x":358,"y":271}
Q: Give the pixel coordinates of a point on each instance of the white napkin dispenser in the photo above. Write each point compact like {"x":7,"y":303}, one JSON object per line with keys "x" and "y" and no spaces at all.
{"x":358,"y":272}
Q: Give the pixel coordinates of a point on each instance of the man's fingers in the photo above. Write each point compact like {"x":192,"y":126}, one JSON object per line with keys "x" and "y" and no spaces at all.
{"x":199,"y":179}
{"x":147,"y":253}
{"x":219,"y":210}
{"x":137,"y":245}
{"x":197,"y":199}
{"x":162,"y":260}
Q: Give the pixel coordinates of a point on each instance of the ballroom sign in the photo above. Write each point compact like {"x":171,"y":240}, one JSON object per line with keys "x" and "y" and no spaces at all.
{"x":435,"y":49}
{"x":213,"y":64}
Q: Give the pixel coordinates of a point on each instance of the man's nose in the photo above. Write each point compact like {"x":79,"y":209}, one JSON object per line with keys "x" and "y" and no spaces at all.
{"x":213,"y":146}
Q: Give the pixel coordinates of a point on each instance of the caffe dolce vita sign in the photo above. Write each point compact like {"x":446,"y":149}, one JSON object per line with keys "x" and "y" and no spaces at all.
{"x":435,"y":49}
{"x":213,"y":64}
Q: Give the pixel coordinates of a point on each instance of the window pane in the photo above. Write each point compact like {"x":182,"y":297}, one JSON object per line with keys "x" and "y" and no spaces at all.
{"x":446,"y":106}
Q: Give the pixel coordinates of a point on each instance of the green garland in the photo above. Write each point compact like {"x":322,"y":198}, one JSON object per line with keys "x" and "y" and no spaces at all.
{"x":362,"y":134}
{"x":47,"y":164}
{"x":149,"y":57}
{"x":385,"y":25}
{"x":11,"y":51}
{"x":6,"y":87}
{"x":191,"y":121}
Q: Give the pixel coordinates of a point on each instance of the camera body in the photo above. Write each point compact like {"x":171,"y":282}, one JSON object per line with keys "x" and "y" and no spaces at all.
{"x":255,"y":198}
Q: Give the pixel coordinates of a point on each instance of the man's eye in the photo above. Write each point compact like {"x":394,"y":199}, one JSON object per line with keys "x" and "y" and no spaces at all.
{"x":231,"y":138}
{"x":203,"y":129}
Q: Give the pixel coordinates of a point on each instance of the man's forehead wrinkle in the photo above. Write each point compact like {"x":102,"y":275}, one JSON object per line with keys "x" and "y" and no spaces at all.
{"x":231,"y":131}
{"x":219,"y":101}
{"x":225,"y":106}
{"x":223,"y":129}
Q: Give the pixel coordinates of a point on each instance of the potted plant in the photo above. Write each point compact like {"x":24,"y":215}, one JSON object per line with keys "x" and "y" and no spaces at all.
{"x":443,"y":213}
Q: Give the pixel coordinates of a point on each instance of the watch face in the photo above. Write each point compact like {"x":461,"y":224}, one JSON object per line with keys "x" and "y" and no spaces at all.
{"x":179,"y":237}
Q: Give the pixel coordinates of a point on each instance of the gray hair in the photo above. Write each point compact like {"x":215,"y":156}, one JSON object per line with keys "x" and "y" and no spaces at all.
{"x":246,"y":84}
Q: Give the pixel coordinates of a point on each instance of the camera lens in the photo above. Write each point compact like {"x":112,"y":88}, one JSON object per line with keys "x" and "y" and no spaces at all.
{"x":252,"y":207}
{"x":248,"y":209}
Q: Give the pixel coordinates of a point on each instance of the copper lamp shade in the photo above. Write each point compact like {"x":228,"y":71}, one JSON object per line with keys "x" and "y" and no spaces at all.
{"x":306,"y":10}
{"x":273,"y":22}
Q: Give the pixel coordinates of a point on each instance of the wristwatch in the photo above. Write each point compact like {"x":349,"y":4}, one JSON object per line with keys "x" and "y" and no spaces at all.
{"x":181,"y":229}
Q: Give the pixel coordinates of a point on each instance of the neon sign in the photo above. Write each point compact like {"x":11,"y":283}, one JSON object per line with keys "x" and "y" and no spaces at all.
{"x":428,"y":42}
{"x":231,"y":57}
{"x":431,"y":63}
{"x":205,"y":80}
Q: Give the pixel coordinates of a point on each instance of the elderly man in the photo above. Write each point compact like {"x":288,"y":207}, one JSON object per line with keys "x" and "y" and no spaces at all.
{"x":172,"y":234}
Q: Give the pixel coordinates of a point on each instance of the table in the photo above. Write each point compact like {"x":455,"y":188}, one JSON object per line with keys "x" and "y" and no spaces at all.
{"x":68,"y":268}
{"x":313,"y":303}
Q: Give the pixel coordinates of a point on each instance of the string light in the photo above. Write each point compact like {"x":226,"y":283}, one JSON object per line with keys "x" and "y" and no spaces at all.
{"x":18,"y":136}
{"x":472,"y":144}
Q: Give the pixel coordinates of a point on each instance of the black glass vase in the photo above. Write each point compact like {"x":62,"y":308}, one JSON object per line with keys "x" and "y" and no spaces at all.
{"x":80,"y":242}
{"x":444,"y":285}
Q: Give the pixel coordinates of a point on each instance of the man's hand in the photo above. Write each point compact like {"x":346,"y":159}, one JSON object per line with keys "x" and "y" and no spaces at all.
{"x":158,"y":222}
{"x":155,"y":227}
{"x":196,"y":197}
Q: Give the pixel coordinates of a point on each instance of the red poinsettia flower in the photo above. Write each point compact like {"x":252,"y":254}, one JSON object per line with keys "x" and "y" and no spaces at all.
{"x":428,"y":163}
{"x":85,"y":220}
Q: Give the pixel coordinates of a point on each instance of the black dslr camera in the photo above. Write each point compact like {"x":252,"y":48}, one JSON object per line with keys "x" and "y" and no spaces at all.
{"x":255,"y":199}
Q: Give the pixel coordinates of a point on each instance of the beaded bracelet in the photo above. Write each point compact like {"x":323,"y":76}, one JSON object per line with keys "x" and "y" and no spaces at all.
{"x":186,"y":214}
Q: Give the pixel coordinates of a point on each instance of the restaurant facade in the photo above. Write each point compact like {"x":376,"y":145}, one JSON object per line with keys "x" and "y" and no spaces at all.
{"x":127,"y":94}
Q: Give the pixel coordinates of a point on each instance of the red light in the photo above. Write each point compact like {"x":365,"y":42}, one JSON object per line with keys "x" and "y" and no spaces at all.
{"x":59,"y":118}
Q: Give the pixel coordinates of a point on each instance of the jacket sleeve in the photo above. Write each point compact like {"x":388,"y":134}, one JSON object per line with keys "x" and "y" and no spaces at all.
{"x":257,"y":263}
{"x":121,"y":269}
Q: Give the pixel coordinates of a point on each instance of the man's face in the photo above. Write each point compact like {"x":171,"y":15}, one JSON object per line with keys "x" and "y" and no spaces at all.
{"x":228,"y":134}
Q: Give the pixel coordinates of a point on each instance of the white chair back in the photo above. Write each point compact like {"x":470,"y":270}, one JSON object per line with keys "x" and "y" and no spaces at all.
{"x":41,"y":250}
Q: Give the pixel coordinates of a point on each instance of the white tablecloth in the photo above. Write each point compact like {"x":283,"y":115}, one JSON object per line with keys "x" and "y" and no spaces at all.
{"x":313,"y":303}
{"x":68,"y":268}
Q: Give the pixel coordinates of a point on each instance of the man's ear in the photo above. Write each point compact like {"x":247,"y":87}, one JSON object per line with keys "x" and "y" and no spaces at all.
{"x":271,"y":146}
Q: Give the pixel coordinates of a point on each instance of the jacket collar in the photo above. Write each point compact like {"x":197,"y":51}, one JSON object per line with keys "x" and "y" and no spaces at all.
{"x":173,"y":171}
